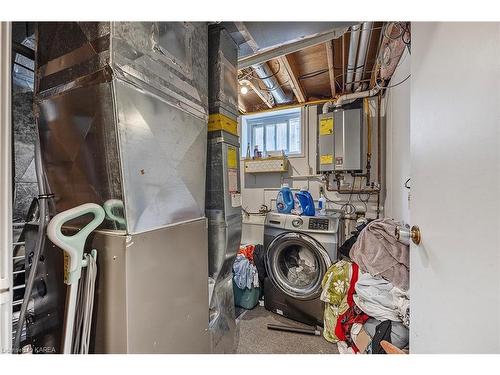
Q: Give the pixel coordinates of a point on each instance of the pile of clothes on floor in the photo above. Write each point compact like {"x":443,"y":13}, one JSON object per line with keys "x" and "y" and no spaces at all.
{"x":245,"y":273}
{"x":247,"y":281}
{"x":366,"y":293}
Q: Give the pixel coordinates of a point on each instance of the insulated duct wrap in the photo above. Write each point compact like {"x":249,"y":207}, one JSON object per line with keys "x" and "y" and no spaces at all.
{"x":122,"y":109}
{"x":223,"y":73}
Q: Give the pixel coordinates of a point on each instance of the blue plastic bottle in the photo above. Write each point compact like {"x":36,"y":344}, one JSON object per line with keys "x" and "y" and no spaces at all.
{"x":305,"y":203}
{"x":284,"y":201}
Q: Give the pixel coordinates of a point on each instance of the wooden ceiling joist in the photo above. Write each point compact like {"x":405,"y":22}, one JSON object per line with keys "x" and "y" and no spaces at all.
{"x":260,"y":93}
{"x":253,"y":45}
{"x":319,"y":71}
{"x":289,"y":67}
{"x":331,"y":70}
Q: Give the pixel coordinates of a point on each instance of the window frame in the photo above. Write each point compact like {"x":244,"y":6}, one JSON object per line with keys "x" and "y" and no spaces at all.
{"x":264,"y":120}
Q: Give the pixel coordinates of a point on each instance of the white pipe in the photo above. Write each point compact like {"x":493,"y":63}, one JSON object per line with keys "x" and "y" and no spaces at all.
{"x":352,"y":96}
{"x":300,"y":176}
{"x":363,"y":48}
{"x":351,"y":59}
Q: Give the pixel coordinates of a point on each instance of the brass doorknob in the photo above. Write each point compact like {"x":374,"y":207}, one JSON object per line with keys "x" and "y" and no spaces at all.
{"x":415,"y":234}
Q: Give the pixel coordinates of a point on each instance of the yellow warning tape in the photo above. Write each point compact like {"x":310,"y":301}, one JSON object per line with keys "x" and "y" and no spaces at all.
{"x":218,"y":121}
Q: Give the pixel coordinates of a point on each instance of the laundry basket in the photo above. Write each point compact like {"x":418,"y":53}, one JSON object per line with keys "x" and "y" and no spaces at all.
{"x":244,"y":266}
{"x":246,"y":298}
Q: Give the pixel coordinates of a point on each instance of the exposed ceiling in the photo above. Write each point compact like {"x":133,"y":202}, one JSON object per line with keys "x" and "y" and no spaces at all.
{"x":309,"y":61}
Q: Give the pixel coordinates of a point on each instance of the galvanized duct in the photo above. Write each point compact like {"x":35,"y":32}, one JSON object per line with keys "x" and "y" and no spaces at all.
{"x":363,"y":47}
{"x":351,"y":59}
{"x":102,"y":115}
{"x":267,"y":76}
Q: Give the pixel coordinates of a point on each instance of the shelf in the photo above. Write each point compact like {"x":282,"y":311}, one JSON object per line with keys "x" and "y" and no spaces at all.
{"x":275,"y":164}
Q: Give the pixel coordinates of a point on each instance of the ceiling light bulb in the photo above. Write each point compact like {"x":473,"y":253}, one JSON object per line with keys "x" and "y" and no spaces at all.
{"x":244,"y":90}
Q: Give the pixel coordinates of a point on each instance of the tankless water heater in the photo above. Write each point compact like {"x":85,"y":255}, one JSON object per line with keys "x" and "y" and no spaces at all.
{"x":340,"y":141}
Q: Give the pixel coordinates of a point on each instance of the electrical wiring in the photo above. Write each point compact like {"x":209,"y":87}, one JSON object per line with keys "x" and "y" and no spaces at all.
{"x":407,"y":42}
{"x":343,"y":74}
{"x":391,"y":86}
{"x":343,"y":205}
{"x":286,"y":83}
{"x":403,"y":37}
{"x":258,"y":79}
{"x":269,"y":76}
{"x":364,"y":201}
{"x":323,"y":71}
{"x":313,"y":74}
{"x":339,"y":203}
{"x":346,"y":206}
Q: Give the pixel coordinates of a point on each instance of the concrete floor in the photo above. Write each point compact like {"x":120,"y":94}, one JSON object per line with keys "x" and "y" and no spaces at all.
{"x":255,"y":338}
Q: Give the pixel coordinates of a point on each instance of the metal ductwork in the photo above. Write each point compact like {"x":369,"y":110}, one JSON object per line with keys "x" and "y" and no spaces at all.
{"x":122,"y":110}
{"x":267,"y":76}
{"x":363,"y":48}
{"x":351,"y":59}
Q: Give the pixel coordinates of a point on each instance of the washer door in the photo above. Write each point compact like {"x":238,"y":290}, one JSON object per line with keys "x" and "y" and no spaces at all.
{"x":296,"y":263}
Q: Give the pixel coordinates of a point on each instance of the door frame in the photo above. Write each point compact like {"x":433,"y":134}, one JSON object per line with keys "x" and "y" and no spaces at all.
{"x":5,"y":189}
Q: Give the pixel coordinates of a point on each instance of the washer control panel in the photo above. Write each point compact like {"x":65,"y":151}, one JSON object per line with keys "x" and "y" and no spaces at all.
{"x":318,"y":224}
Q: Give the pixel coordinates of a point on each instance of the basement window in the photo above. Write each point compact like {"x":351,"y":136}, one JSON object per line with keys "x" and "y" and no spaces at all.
{"x":273,"y":132}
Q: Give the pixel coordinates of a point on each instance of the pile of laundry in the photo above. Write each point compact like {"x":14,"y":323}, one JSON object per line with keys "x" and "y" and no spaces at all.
{"x":366,"y":294}
{"x":245,"y":273}
{"x":301,"y":266}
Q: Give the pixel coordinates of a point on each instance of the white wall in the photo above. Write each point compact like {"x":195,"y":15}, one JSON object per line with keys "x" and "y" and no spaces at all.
{"x":397,"y":101}
{"x":259,"y":189}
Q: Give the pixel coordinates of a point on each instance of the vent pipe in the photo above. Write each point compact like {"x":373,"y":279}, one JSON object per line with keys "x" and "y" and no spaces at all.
{"x":271,"y":83}
{"x":349,"y":97}
{"x":351,"y":59}
{"x":363,"y":48}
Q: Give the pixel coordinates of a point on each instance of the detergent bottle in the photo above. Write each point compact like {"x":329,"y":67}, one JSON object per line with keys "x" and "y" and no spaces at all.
{"x":322,"y":204}
{"x":304,"y":203}
{"x":284,"y":201}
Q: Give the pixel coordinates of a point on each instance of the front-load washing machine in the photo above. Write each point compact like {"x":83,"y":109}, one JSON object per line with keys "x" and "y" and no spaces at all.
{"x":299,"y":250}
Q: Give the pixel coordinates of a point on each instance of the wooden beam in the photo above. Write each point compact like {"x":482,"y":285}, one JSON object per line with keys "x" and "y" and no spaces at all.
{"x":286,"y":49}
{"x":241,"y":107}
{"x":261,"y":94}
{"x":253,"y":45}
{"x":290,"y":69}
{"x":331,"y":71}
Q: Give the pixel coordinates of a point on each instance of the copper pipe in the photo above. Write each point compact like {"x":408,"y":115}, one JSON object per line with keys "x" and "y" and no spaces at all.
{"x":348,"y":191}
{"x":343,"y":63}
{"x":369,"y":140}
{"x":379,"y":152}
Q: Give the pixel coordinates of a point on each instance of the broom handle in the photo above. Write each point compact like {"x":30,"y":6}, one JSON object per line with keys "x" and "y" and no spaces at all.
{"x":73,"y":246}
{"x":69,"y":318}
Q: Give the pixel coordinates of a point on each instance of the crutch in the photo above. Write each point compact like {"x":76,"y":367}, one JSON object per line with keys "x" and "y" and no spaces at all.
{"x":73,"y":247}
